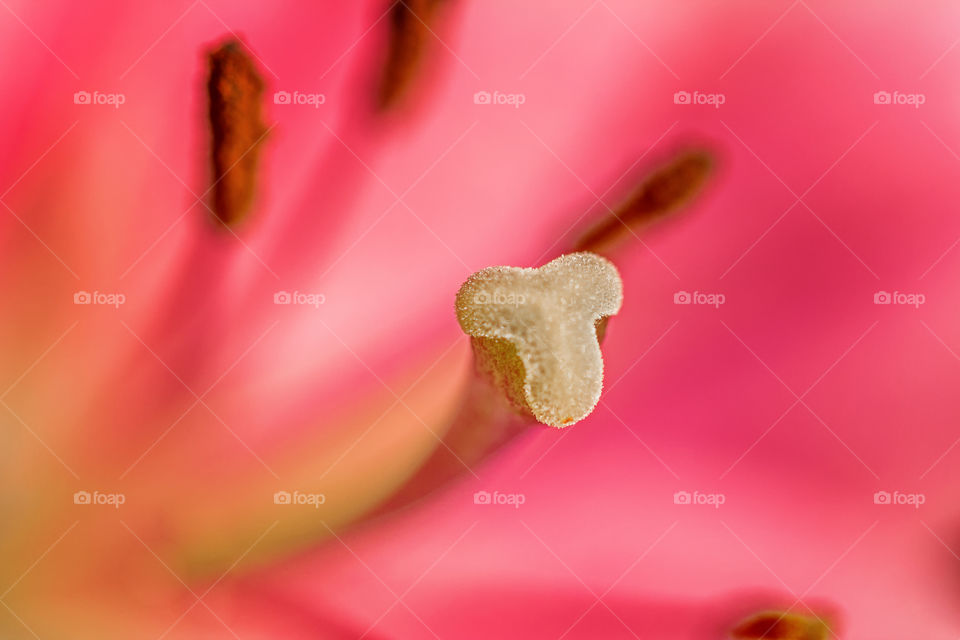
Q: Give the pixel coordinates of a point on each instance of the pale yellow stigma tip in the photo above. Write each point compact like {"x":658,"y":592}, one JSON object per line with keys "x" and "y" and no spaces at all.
{"x":535,"y":332}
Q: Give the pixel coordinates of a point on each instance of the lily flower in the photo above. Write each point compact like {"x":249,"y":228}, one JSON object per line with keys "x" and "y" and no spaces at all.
{"x":237,"y":398}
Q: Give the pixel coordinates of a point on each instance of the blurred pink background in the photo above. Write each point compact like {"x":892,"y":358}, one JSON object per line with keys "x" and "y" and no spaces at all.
{"x":796,"y":400}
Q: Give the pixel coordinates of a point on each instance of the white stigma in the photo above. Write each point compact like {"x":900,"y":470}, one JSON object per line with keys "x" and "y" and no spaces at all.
{"x":535,"y":332}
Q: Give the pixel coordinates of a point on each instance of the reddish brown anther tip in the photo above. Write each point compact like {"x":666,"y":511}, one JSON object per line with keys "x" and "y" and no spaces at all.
{"x":235,"y":92}
{"x":666,"y":190}
{"x":411,"y":22}
{"x":777,"y":625}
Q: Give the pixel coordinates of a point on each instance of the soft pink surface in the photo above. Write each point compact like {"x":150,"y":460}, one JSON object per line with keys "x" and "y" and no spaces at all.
{"x":697,"y":398}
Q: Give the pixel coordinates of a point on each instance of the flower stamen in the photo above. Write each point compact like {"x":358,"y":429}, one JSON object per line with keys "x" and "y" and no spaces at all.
{"x":666,"y":190}
{"x":776,"y":625}
{"x":410,"y":34}
{"x":235,"y":92}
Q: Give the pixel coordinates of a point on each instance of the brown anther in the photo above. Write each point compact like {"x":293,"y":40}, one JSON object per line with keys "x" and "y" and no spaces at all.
{"x":410,"y":34}
{"x":668,"y":189}
{"x":235,"y":92}
{"x":777,"y":625}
